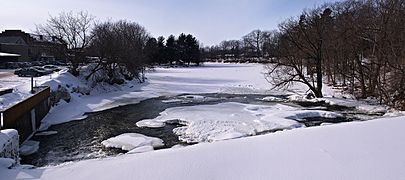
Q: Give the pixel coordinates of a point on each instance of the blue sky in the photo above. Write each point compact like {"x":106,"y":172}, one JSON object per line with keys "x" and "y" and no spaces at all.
{"x":211,"y":21}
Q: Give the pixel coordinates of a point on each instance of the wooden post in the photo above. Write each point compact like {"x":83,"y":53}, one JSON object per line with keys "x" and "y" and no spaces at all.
{"x":32,"y":85}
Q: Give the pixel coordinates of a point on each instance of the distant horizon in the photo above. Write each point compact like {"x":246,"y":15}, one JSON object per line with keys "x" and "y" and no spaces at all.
{"x":211,"y":21}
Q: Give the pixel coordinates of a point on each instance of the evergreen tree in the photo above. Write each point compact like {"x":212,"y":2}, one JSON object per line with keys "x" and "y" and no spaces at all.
{"x":192,"y":50}
{"x":171,"y":49}
{"x":151,"y":51}
{"x":182,"y":48}
{"x":161,"y":48}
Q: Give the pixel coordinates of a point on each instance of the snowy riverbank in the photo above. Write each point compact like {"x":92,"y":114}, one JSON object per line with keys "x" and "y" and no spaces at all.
{"x":357,"y":150}
{"x":209,"y":78}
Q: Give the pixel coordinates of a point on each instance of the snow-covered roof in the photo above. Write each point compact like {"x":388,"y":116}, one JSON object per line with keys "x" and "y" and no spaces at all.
{"x":45,"y":38}
{"x":9,"y":54}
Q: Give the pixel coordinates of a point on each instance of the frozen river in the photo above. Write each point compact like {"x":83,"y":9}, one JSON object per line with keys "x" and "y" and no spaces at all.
{"x":78,"y":140}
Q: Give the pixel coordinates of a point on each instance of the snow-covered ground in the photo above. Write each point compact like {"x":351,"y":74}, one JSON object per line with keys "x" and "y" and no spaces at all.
{"x":359,"y":150}
{"x":366,"y":150}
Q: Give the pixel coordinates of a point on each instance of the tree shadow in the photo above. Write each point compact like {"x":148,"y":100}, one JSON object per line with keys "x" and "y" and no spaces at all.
{"x":21,"y":173}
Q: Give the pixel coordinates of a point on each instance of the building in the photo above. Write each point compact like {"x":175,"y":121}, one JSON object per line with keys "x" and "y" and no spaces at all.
{"x":7,"y":58}
{"x":32,"y":47}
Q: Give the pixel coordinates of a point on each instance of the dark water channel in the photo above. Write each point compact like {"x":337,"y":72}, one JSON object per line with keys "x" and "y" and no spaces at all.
{"x":78,"y":140}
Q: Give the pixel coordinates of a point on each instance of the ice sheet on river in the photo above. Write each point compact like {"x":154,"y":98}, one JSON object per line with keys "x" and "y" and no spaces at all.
{"x":206,"y":123}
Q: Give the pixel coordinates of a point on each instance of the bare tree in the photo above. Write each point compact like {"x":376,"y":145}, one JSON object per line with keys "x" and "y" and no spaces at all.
{"x":230,"y":49}
{"x":254,"y":42}
{"x":74,"y":29}
{"x":301,"y":51}
{"x":121,"y":48}
{"x":355,"y":44}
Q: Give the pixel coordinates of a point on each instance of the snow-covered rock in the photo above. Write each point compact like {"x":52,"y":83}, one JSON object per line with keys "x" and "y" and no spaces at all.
{"x":302,"y":114}
{"x":6,"y":162}
{"x":133,"y":142}
{"x":60,"y":93}
{"x":9,"y":144}
{"x":394,"y":114}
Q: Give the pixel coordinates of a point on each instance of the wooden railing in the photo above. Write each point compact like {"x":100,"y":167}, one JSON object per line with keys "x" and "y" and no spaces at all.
{"x":26,"y":116}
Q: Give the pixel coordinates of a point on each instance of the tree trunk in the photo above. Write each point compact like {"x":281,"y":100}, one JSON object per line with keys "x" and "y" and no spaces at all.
{"x":362,"y":81}
{"x":318,"y":94}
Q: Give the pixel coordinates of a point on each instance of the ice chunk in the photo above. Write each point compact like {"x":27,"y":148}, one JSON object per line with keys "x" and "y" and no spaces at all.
{"x":272,"y":98}
{"x":29,"y":147}
{"x":197,"y":97}
{"x":150,"y":123}
{"x":172,"y":101}
{"x":46,"y":133}
{"x":296,"y":97}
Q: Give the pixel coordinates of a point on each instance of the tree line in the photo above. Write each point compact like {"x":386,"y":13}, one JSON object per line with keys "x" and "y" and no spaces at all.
{"x":357,"y":45}
{"x":256,"y":46}
{"x":121,"y":49}
{"x":184,"y":49}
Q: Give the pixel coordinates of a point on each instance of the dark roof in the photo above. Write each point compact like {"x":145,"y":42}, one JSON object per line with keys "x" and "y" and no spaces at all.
{"x":12,"y":40}
{"x":11,"y":36}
